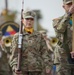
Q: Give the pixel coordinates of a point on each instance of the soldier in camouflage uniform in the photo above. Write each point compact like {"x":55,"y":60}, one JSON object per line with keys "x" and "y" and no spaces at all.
{"x":44,"y":33}
{"x":4,"y":66}
{"x":48,"y":43}
{"x":63,"y":28}
{"x":35,"y":57}
{"x":58,"y":58}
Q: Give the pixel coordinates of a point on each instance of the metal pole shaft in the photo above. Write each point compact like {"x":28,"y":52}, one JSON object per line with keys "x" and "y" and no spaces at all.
{"x":6,"y":5}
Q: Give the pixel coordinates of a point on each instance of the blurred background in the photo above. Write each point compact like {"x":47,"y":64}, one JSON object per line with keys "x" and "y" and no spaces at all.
{"x":46,"y":11}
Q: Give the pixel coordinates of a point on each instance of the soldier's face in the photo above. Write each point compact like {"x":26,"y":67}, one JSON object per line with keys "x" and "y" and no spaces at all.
{"x":28,"y":22}
{"x":67,"y":6}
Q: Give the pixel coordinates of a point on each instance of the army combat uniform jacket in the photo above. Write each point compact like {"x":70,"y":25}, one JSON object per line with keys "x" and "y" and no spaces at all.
{"x":4,"y":66}
{"x":63,"y":29}
{"x":34,"y":52}
{"x":63,"y":26}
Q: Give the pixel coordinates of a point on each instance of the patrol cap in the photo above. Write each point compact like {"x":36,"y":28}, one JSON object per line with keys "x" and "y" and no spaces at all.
{"x":29,"y":14}
{"x":67,"y":1}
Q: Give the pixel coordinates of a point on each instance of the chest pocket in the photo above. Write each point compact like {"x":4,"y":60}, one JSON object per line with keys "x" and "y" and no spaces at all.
{"x":30,"y":42}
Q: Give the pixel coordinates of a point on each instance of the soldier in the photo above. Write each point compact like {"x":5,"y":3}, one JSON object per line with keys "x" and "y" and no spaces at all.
{"x":35,"y":57}
{"x":63,"y":28}
{"x":44,"y":33}
{"x":4,"y":66}
{"x":58,"y":58}
{"x":48,"y":43}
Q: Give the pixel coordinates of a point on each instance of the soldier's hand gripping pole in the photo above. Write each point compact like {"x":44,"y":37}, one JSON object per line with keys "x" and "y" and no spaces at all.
{"x":20,"y":42}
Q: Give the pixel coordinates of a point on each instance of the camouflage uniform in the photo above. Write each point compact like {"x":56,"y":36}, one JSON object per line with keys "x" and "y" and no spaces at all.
{"x":63,"y":29}
{"x":48,"y":43}
{"x":4,"y":66}
{"x":35,"y":57}
{"x":59,"y":58}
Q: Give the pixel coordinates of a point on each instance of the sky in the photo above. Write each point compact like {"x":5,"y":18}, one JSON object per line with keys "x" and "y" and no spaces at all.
{"x":50,"y":9}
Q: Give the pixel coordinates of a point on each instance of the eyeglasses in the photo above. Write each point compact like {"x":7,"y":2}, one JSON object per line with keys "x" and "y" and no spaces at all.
{"x":30,"y":19}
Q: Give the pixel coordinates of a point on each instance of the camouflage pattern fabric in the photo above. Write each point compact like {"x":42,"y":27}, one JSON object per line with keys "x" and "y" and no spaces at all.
{"x":34,"y":53}
{"x":4,"y":66}
{"x":30,"y":73}
{"x":59,"y":58}
{"x":63,"y":30}
{"x":63,"y":27}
